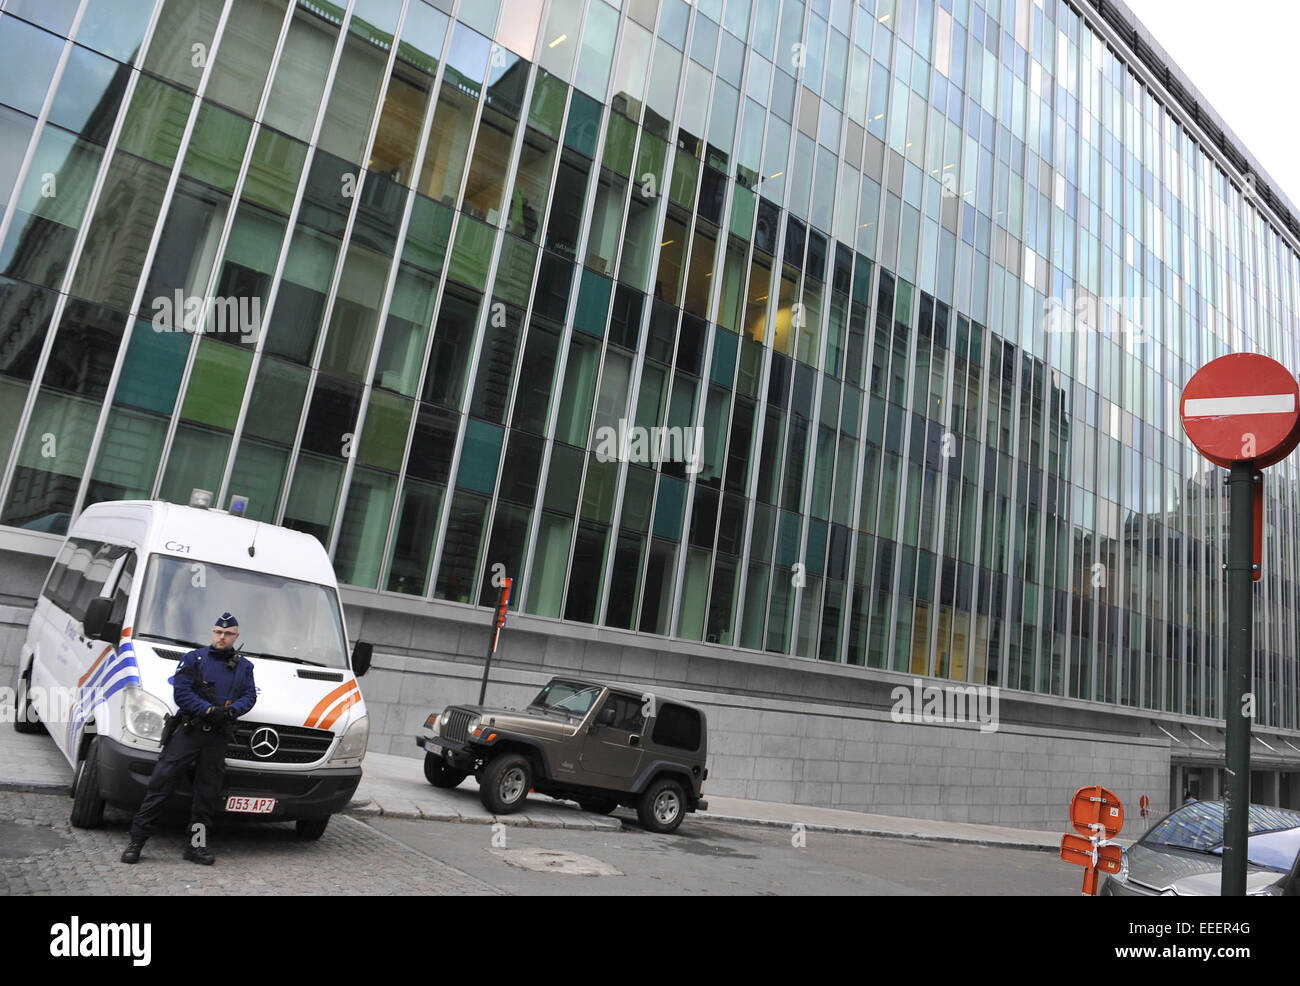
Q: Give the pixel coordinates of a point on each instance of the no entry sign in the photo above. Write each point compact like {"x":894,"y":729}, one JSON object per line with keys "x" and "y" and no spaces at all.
{"x":1243,"y":407}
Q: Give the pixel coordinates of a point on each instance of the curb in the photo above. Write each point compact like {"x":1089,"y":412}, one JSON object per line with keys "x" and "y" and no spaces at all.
{"x":36,"y":787}
{"x":359,"y":809}
{"x":883,"y":833}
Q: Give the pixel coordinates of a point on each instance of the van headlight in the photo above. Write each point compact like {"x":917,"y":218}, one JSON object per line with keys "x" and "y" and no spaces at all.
{"x":143,"y":714}
{"x":353,"y":744}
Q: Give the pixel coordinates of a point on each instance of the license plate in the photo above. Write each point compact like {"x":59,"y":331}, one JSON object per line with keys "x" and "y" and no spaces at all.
{"x":253,"y":806}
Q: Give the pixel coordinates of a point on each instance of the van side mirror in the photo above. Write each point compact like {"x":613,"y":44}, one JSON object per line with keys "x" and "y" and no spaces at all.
{"x":95,"y":622}
{"x":361,"y":654}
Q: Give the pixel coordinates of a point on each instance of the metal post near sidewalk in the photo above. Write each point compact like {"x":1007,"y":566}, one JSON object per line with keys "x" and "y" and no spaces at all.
{"x":498,"y":621}
{"x":1241,"y":536}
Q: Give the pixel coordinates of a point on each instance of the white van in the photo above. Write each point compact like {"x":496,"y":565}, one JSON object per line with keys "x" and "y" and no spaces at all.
{"x":140,"y":583}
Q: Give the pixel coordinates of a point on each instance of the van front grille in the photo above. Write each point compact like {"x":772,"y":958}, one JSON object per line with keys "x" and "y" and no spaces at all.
{"x":294,"y":744}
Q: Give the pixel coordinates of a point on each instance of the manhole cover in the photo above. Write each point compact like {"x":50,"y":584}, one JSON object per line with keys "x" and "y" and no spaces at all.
{"x":555,"y":861}
{"x":20,"y":841}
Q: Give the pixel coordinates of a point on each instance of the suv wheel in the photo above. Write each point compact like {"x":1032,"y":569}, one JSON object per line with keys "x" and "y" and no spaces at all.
{"x":506,"y":782}
{"x":662,"y":806}
{"x":25,"y":718}
{"x":437,"y":773}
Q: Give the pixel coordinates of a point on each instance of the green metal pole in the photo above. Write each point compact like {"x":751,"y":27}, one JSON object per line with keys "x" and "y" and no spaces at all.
{"x":1241,"y":539}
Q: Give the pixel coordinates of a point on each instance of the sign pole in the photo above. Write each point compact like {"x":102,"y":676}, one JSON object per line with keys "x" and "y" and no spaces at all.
{"x":498,"y":621}
{"x":1241,"y":564}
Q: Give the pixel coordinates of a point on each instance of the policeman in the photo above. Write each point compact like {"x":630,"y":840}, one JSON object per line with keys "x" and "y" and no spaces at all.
{"x":213,"y":686}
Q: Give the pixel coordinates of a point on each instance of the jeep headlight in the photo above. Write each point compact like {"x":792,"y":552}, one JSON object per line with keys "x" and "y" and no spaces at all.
{"x":474,"y":724}
{"x":353,"y":744}
{"x":143,"y":714}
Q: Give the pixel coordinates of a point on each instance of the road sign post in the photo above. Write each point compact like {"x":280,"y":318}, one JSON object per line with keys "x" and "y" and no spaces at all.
{"x":498,"y":621}
{"x":1242,"y":411}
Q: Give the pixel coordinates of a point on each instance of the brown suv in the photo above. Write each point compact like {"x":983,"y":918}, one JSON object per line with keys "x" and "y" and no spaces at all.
{"x":599,"y":745}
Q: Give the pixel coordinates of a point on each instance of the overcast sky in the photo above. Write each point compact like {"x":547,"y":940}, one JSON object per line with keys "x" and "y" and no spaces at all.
{"x":1243,"y":56}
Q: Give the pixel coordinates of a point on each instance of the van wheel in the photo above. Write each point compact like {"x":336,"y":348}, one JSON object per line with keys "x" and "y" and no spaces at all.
{"x":25,"y":718}
{"x":311,"y":828}
{"x":87,"y":805}
{"x":662,"y":806}
{"x":506,"y":781}
{"x":437,"y":773}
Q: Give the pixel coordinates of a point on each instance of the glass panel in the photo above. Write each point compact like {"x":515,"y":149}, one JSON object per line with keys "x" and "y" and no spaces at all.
{"x":128,"y":457}
{"x":274,"y":170}
{"x":448,"y":146}
{"x":412,"y":541}
{"x":216,"y":148}
{"x":383,"y":437}
{"x":519,"y":23}
{"x":401,"y":353}
{"x":453,"y":343}
{"x":151,"y":373}
{"x":195,"y":461}
{"x":550,"y":562}
{"x":472,"y":253}
{"x":560,"y":37}
{"x":496,"y":368}
{"x":276,"y":404}
{"x":184,"y":24}
{"x":301,"y":72}
{"x":115,"y":27}
{"x":355,"y":92}
{"x":155,"y":121}
{"x":244,"y":55}
{"x":369,"y":509}
{"x":300,"y":303}
{"x":174,"y":293}
{"x":355,"y":313}
{"x":479,"y":457}
{"x":28,"y":57}
{"x":216,"y":382}
{"x":50,"y":461}
{"x":532,"y":185}
{"x":466,"y":525}
{"x":259,"y":475}
{"x":487,"y":170}
{"x":315,"y":490}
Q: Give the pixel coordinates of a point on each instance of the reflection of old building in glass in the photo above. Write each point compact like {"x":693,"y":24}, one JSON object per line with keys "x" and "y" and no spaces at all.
{"x":925,"y":278}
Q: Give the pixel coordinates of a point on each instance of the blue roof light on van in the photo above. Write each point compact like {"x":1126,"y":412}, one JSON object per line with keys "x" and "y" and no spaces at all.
{"x":238,"y":505}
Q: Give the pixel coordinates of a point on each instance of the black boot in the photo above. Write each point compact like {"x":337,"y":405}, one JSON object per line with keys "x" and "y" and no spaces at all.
{"x":200,"y":855}
{"x":131,"y":854}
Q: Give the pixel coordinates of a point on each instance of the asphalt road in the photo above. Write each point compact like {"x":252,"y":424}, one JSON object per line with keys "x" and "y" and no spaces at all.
{"x":40,"y":853}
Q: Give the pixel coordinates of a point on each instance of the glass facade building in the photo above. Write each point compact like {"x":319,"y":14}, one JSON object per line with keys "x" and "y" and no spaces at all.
{"x":913,"y":285}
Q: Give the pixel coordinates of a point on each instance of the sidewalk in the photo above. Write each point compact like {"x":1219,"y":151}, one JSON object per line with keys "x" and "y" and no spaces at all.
{"x":395,"y":787}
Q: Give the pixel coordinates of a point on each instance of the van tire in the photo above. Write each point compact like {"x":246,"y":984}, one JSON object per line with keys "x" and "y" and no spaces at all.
{"x":311,"y":828}
{"x":87,"y":805}
{"x":25,"y":717}
{"x":506,"y":782}
{"x":437,"y":773}
{"x":663,"y":806}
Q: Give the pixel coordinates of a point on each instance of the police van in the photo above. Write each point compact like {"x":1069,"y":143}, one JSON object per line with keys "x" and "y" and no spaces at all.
{"x":136,"y":586}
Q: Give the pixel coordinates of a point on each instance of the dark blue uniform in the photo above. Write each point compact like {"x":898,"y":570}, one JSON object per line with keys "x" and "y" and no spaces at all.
{"x":232,"y":688}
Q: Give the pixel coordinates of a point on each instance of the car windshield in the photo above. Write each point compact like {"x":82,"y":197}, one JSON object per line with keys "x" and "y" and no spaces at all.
{"x":1274,"y":832}
{"x":571,"y":697}
{"x":278,"y":617}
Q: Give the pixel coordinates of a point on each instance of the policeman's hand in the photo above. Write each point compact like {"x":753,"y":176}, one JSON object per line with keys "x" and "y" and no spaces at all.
{"x":229,"y":714}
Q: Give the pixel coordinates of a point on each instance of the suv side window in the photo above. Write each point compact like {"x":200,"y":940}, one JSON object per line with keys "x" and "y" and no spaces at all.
{"x":677,"y":726}
{"x":627,"y":713}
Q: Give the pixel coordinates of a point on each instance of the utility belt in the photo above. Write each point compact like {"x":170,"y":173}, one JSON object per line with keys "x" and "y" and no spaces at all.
{"x":217,"y":723}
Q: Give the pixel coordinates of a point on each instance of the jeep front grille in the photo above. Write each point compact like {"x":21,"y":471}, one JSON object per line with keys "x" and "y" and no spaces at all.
{"x":456,"y":728}
{"x":297,"y":744}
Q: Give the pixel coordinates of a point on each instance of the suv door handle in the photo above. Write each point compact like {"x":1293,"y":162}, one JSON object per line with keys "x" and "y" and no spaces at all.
{"x":633,"y":740}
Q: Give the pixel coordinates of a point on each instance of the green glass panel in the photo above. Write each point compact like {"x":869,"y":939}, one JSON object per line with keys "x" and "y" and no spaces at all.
{"x":563,"y":479}
{"x":583,"y":127}
{"x":479,"y":457}
{"x":472,"y":253}
{"x":593,"y":304}
{"x":151,"y":373}
{"x":598,"y":493}
{"x":620,"y":139}
{"x":356,"y":312}
{"x":312,"y":497}
{"x":276,"y":405}
{"x":274,"y":170}
{"x":245,"y":52}
{"x":216,"y":385}
{"x":742,"y":212}
{"x":259,"y":474}
{"x":217,"y":147}
{"x":364,"y":529}
{"x":383,"y":436}
{"x":670,"y":508}
{"x":686,"y":174}
{"x":547,"y":111}
{"x":515,"y":271}
{"x":155,"y":121}
{"x":195,"y":461}
{"x":427,"y":235}
{"x":189,"y":23}
{"x":128,"y":456}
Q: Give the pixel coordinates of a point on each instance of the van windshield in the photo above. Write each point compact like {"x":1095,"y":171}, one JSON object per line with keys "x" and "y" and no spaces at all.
{"x":278,"y":617}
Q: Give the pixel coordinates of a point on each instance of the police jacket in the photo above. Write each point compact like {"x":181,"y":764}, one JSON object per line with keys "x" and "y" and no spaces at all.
{"x":235,"y":687}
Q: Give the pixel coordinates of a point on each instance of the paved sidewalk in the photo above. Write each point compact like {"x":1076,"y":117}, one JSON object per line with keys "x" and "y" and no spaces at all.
{"x":394,"y":786}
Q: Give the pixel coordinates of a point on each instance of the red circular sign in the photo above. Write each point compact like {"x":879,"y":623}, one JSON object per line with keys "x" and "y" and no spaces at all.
{"x":1243,"y":407}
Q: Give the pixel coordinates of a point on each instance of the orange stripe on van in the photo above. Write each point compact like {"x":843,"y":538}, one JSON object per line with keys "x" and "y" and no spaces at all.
{"x":343,"y":706}
{"x":126,"y":633}
{"x":329,"y":700}
{"x":84,"y":677}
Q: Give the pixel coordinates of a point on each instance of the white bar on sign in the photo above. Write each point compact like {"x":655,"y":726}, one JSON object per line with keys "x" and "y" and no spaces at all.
{"x":1218,"y":407}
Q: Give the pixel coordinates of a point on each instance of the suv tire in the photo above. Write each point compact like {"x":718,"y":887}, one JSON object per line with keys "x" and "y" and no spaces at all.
{"x":506,"y":782}
{"x":25,"y":717}
{"x":87,"y":805}
{"x":597,"y":806}
{"x":663,"y":806}
{"x":437,"y":773}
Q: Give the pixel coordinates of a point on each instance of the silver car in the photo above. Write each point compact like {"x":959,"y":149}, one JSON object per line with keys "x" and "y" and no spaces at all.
{"x":1182,"y":855}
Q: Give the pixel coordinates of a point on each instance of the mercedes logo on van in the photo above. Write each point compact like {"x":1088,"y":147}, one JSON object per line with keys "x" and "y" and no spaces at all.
{"x":264,"y":743}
